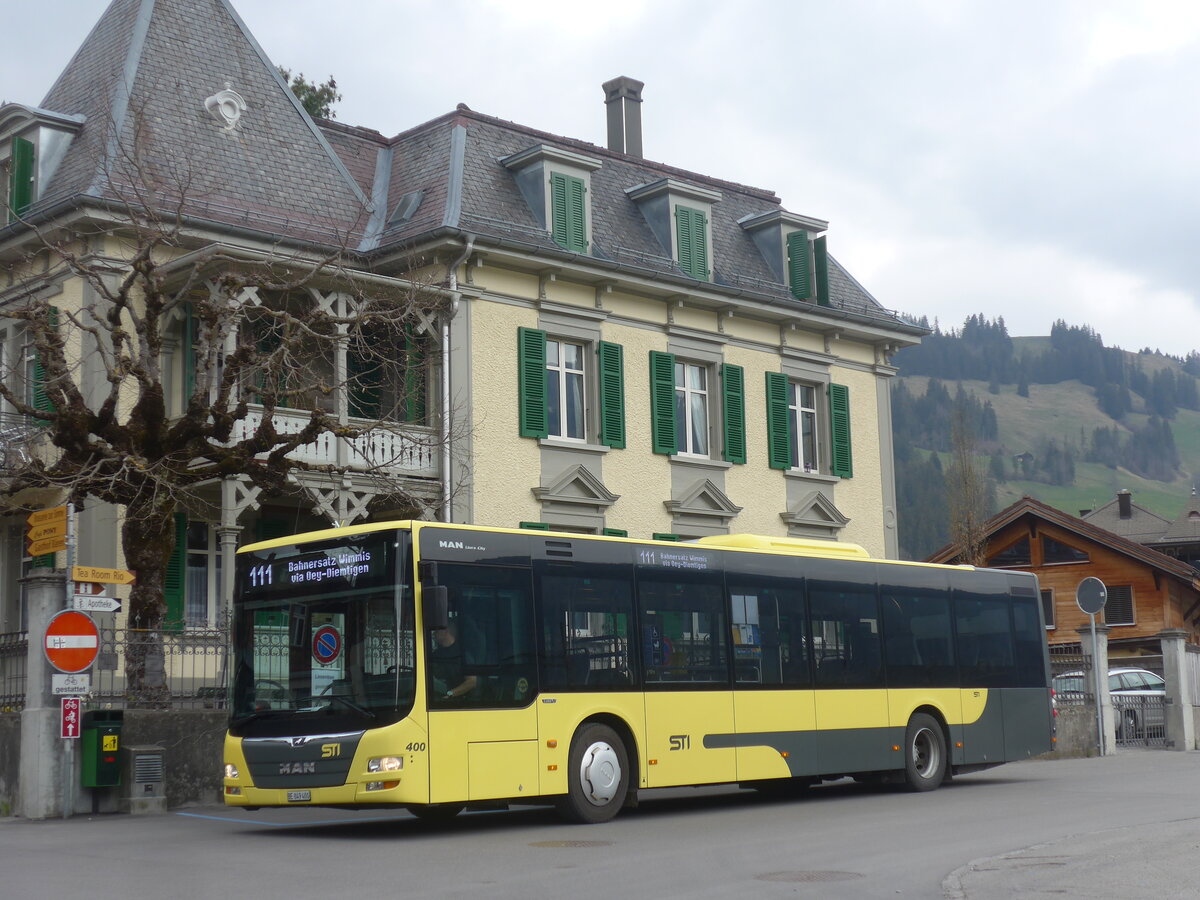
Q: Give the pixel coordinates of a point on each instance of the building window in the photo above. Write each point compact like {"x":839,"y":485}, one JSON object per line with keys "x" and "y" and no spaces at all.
{"x":802,"y":426}
{"x":553,"y":390}
{"x":203,"y":579}
{"x":1118,"y":610}
{"x":1056,"y":552}
{"x":1016,"y":554}
{"x":691,"y":408}
{"x":1048,"y":608}
{"x":19,"y":173}
{"x":566,"y":405}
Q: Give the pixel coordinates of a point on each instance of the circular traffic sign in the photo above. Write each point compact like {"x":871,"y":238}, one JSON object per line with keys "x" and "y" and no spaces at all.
{"x":1091,"y":595}
{"x":327,"y":644}
{"x":72,"y":641}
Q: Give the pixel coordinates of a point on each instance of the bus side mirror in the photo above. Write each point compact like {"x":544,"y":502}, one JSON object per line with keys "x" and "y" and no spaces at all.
{"x":436,"y":600}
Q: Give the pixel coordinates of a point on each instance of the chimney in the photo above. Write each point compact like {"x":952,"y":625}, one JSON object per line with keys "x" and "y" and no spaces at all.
{"x":1125,"y":504}
{"x":623,"y":97}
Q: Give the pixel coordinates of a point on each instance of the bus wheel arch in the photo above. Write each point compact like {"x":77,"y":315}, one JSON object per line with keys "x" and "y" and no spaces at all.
{"x":601,"y":769}
{"x":926,"y":751}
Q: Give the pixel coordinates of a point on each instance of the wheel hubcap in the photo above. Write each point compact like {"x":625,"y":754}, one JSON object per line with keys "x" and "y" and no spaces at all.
{"x":926,"y":754}
{"x":600,"y":773}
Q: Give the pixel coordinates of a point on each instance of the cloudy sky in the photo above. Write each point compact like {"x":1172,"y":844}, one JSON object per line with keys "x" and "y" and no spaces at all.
{"x":1031,"y":160}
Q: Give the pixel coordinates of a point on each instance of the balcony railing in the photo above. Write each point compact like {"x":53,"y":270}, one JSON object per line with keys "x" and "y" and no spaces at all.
{"x":18,"y":435}
{"x":388,"y":450}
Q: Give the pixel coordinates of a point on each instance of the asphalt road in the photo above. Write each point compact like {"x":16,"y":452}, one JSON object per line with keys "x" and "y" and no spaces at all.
{"x":1125,"y":826}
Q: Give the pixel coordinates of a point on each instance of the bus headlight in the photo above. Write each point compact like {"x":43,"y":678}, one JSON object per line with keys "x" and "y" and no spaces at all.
{"x":231,"y":771}
{"x":385,"y":764}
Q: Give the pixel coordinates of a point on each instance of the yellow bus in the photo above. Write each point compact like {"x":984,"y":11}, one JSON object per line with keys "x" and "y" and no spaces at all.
{"x":436,"y":667}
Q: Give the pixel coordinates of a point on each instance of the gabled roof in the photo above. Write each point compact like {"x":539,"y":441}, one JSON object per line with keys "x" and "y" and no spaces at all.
{"x":1186,"y":527}
{"x":141,"y":79}
{"x":1029,"y":508}
{"x":1142,"y":525}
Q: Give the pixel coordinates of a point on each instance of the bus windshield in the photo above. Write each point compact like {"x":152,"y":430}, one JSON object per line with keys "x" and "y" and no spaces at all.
{"x":323,"y":636}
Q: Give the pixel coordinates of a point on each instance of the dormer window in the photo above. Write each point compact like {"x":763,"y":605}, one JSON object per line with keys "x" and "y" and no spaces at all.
{"x":556,"y":183}
{"x":795,"y":251}
{"x":679,"y":215}
{"x":32,"y":144}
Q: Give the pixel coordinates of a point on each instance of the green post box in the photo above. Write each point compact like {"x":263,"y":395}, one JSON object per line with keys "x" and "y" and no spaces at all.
{"x":100,"y":744}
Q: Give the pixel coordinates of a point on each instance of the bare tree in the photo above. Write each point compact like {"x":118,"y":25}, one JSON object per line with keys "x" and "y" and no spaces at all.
{"x":966,"y":484}
{"x":189,"y":360}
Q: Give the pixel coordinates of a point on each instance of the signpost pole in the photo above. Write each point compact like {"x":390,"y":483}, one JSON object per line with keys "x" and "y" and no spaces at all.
{"x":1091,"y":595}
{"x":69,"y":751}
{"x":1098,"y":686}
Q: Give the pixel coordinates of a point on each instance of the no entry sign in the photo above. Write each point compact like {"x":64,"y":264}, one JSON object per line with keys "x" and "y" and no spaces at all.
{"x":72,"y":641}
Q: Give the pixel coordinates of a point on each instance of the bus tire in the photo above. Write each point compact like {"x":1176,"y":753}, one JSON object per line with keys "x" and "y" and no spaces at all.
{"x":436,"y":812}
{"x":924,"y":753}
{"x":597,"y":776}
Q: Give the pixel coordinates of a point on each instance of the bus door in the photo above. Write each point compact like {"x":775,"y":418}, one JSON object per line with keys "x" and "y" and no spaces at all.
{"x":481,"y":679}
{"x":848,"y":663}
{"x":689,"y":704}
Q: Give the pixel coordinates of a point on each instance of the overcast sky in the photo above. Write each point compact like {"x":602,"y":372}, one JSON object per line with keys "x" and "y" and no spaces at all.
{"x":1031,"y":160}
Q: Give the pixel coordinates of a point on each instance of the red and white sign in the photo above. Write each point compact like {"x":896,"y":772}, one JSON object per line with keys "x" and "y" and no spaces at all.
{"x":69,"y":725}
{"x":327,"y":645}
{"x":72,"y":641}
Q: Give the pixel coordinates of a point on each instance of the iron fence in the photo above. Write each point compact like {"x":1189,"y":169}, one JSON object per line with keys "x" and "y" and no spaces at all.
{"x":1071,"y":674}
{"x":14,"y":650}
{"x":156,"y":667}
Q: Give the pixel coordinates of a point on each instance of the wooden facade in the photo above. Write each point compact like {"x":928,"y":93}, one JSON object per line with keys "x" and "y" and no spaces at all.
{"x":1148,"y":591}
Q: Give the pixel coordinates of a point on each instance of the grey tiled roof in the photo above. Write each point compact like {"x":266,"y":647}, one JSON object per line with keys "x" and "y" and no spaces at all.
{"x":1142,"y":525}
{"x":279,"y":172}
{"x":1186,"y":527}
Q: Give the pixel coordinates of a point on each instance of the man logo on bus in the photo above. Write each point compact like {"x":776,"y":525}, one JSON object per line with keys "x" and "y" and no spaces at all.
{"x":450,"y":545}
{"x":298,"y":768}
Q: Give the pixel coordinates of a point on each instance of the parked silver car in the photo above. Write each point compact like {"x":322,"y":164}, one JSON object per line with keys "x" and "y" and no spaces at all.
{"x":1137,"y":696}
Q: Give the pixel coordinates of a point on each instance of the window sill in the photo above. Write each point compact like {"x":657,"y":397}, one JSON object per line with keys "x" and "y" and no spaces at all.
{"x":703,"y":462}
{"x":579,"y":446}
{"x":801,"y":475}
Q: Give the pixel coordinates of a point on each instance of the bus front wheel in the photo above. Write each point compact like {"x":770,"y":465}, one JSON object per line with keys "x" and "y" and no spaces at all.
{"x":925,"y":753}
{"x":597,"y":776}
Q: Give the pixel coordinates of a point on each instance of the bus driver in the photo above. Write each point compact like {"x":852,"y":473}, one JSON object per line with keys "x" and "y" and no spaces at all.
{"x":446,"y":665}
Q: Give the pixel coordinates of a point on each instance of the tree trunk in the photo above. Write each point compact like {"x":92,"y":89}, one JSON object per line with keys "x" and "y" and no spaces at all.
{"x":148,"y":537}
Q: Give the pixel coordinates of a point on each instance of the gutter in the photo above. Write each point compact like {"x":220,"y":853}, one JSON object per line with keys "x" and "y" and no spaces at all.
{"x":455,"y":297}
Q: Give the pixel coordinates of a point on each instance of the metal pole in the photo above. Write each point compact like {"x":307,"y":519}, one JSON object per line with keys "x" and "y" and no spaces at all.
{"x":69,"y":750}
{"x":1096,"y":671}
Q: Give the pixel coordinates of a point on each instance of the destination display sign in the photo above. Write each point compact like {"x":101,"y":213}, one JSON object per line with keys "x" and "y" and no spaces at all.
{"x":316,"y":568}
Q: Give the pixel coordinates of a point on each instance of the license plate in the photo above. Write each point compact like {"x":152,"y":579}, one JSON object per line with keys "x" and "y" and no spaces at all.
{"x":299,"y":796}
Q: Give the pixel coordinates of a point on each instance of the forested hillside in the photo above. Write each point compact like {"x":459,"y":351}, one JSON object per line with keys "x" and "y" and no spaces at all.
{"x":1064,"y":419}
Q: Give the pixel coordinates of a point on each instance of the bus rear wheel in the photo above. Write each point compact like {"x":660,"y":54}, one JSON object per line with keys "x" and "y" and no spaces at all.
{"x":925,"y":753}
{"x":597,"y":776}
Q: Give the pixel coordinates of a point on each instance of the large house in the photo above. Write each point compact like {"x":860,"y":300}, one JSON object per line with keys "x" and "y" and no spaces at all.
{"x":626,"y":347}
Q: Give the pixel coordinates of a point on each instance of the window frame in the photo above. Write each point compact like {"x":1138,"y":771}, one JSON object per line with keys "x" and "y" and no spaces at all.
{"x":683,"y":425}
{"x":559,"y":375}
{"x":796,"y":414}
{"x":1132,"y":599}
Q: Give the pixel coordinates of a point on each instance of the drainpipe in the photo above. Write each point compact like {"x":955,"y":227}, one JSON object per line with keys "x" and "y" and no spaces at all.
{"x":455,"y":297}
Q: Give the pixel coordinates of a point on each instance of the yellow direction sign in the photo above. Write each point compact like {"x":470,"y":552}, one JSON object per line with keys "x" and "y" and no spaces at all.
{"x":47,"y":545}
{"x":53,"y":530}
{"x":46,"y":516}
{"x":104,"y":576}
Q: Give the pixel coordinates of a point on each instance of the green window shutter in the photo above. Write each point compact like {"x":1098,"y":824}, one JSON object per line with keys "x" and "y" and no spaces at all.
{"x":39,"y":396}
{"x":662,"y":402}
{"x":733,"y":412}
{"x":839,"y":427}
{"x":20,"y":178}
{"x":821,"y":266}
{"x":779,"y":449}
{"x":612,"y":394}
{"x":798,"y":274}
{"x":415,"y":384}
{"x":691,"y":234}
{"x":175,"y":578}
{"x":363,"y":390}
{"x":568,"y":223}
{"x":189,"y":354}
{"x":531,"y":382}
{"x":664,"y":536}
{"x":535,"y":526}
{"x":614,"y":532}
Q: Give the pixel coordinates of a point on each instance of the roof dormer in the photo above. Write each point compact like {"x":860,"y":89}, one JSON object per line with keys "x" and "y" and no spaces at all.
{"x":32,"y":144}
{"x":794,"y":249}
{"x":679,"y":215}
{"x":556,"y":184}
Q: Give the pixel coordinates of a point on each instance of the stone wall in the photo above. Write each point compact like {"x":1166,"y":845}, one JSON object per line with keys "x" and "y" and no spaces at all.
{"x":192,"y":741}
{"x":1076,"y":732}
